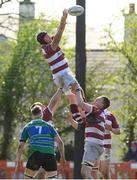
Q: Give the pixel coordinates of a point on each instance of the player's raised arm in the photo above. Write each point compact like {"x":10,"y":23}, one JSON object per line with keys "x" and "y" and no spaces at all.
{"x":55,"y":100}
{"x":80,"y":100}
{"x":73,"y":123}
{"x":58,"y":35}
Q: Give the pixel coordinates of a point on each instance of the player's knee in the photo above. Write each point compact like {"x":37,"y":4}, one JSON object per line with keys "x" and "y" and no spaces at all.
{"x":27,"y":176}
{"x":105,"y":175}
{"x":83,"y":172}
{"x":86,"y":170}
{"x":86,"y":173}
{"x":52,"y":175}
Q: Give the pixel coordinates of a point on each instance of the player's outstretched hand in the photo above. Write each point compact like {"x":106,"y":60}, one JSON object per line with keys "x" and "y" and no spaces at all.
{"x":108,"y":127}
{"x":75,"y":86}
{"x":65,"y":13}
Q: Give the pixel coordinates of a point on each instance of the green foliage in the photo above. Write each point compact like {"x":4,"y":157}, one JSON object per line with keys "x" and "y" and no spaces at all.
{"x":100,"y":81}
{"x":26,"y":78}
{"x":119,"y":86}
{"x":6,"y":52}
{"x":126,"y":85}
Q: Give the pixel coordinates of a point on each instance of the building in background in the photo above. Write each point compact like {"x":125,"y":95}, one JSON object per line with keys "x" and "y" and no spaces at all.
{"x":96,"y":54}
{"x":9,"y":21}
{"x":26,"y":10}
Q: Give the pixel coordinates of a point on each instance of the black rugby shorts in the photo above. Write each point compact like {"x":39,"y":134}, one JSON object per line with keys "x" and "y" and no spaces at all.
{"x":38,"y":159}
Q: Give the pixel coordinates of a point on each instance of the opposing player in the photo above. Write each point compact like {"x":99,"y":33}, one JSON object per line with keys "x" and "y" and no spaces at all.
{"x":48,"y":112}
{"x":61,"y":72}
{"x":111,"y":126}
{"x":41,"y":137}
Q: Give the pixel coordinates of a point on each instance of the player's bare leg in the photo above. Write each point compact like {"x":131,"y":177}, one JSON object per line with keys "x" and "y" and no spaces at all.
{"x":77,"y":86}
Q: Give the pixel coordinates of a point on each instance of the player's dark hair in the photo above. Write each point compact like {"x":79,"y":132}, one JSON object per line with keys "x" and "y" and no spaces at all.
{"x":36,"y":110}
{"x":106,"y":102}
{"x":40,"y":37}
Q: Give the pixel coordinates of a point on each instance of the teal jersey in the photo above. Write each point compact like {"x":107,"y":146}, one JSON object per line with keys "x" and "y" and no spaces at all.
{"x":41,"y":136}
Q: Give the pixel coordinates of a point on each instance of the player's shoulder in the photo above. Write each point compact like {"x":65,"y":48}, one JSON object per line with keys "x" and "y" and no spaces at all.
{"x":27,"y":124}
{"x":46,"y":123}
{"x":108,"y":112}
{"x":47,"y":114}
{"x":49,"y":124}
{"x":109,"y":115}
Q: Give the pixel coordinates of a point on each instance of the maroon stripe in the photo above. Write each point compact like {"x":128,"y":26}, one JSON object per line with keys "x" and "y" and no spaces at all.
{"x":95,"y":135}
{"x":101,"y":118}
{"x":107,"y":136}
{"x":49,"y":54}
{"x":60,"y":68}
{"x":60,"y":58}
{"x":74,"y":108}
{"x":79,"y":121}
{"x":107,"y":146}
{"x":76,"y":116}
{"x":49,"y":51}
{"x":96,"y":126}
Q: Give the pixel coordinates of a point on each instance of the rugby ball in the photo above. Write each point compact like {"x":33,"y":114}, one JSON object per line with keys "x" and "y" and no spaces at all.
{"x":76,"y":10}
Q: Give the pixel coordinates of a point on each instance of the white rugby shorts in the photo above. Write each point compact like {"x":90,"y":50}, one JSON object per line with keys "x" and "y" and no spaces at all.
{"x":92,"y":151}
{"x":66,"y":79}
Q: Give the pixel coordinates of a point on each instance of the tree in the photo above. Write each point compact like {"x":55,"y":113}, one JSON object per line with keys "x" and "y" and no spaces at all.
{"x":24,"y":81}
{"x":127,"y":77}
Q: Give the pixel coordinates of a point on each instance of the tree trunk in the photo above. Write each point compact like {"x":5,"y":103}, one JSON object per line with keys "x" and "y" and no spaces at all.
{"x":7,"y":134}
{"x":81,"y":76}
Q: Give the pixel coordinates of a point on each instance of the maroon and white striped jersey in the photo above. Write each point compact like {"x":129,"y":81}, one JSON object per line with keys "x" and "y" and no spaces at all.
{"x":75,"y":113}
{"x":56,"y":59}
{"x":47,"y":115}
{"x":93,"y":132}
{"x":114,"y":123}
